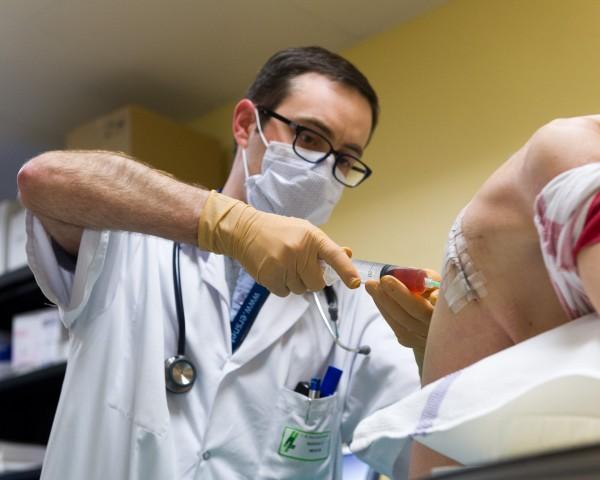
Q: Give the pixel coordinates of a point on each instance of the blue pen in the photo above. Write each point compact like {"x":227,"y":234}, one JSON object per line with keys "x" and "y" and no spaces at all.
{"x":330,"y":381}
{"x":313,"y":391}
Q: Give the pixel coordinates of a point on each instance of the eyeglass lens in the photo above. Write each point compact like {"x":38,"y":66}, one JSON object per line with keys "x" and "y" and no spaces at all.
{"x":348,"y":170}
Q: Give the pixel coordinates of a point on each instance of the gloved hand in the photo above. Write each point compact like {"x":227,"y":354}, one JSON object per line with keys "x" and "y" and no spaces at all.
{"x":407,"y":313}
{"x":281,"y":253}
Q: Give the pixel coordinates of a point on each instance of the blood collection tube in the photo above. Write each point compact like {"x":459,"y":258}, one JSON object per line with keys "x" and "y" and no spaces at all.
{"x":415,"y":279}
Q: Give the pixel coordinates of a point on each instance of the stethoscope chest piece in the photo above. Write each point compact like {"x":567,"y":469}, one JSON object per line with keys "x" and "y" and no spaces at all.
{"x":180,"y":374}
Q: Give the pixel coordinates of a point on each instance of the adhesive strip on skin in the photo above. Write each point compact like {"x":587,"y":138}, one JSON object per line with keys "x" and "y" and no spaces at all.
{"x":462,"y":282}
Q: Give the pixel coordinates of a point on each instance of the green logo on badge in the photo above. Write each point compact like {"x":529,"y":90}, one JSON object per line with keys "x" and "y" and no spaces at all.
{"x":304,"y":446}
{"x":289,"y":442}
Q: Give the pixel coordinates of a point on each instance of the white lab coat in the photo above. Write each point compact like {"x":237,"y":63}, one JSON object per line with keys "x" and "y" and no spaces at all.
{"x":115,"y":419}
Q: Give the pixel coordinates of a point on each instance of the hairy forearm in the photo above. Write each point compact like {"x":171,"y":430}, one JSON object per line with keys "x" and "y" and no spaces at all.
{"x":104,"y":190}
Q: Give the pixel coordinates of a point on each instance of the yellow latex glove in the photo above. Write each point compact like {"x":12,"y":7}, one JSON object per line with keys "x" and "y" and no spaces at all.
{"x":407,"y":313}
{"x":281,"y":253}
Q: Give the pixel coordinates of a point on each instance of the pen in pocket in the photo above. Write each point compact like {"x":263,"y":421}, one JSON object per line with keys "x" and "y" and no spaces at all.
{"x":330,"y":381}
{"x":314,"y":390}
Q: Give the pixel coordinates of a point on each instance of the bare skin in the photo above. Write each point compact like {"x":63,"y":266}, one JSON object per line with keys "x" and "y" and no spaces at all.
{"x":69,"y":191}
{"x":503,"y":243}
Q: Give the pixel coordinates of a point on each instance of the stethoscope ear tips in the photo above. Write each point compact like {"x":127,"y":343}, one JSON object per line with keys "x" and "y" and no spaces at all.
{"x":180,"y":374}
{"x":364,"y":350}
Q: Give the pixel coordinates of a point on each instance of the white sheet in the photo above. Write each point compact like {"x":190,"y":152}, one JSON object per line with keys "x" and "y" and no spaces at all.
{"x":539,"y":395}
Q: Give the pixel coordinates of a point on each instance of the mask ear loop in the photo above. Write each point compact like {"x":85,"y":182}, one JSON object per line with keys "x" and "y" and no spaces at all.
{"x":245,"y":163}
{"x":262,"y":137}
{"x":260,"y":132}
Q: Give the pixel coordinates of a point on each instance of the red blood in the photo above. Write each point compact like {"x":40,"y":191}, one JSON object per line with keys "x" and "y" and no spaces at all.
{"x":412,"y":278}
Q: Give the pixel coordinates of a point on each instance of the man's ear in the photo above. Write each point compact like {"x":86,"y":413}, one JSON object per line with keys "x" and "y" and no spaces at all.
{"x":244,"y":122}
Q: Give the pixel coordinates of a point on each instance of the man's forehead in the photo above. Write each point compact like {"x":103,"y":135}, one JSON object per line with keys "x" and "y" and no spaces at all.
{"x":309,"y":86}
{"x":322,"y":102}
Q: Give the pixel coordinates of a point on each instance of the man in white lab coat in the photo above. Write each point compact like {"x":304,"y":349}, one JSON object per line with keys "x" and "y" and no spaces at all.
{"x":101,"y":231}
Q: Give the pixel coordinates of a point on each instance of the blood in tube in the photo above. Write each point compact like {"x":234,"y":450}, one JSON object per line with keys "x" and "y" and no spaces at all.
{"x":414,"y":279}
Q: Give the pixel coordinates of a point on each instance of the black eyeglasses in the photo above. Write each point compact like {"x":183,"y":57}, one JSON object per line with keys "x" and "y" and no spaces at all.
{"x":347,"y":169}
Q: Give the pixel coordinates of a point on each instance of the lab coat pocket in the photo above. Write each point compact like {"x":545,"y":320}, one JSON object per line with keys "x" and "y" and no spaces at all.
{"x":303,"y":438}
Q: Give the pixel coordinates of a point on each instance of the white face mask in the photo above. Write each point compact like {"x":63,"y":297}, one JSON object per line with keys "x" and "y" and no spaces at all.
{"x":290,"y":186}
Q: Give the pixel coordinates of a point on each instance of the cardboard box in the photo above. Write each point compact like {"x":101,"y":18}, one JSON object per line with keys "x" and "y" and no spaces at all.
{"x":154,"y":139}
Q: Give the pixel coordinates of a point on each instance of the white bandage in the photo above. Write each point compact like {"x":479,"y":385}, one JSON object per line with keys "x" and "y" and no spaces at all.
{"x":462,"y":282}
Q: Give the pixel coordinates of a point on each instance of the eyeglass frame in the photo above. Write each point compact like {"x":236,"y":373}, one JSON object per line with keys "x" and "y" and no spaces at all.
{"x":336,"y":154}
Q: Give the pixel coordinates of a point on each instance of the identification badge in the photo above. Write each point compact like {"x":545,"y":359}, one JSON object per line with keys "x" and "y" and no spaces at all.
{"x":305,"y":446}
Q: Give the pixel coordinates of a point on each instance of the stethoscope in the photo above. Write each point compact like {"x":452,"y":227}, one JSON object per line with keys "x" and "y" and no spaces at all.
{"x":331,"y":325}
{"x":180,"y":372}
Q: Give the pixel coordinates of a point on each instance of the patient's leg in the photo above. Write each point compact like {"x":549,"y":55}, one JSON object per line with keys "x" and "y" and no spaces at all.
{"x":454,"y":342}
{"x":458,"y":340}
{"x":423,"y":460}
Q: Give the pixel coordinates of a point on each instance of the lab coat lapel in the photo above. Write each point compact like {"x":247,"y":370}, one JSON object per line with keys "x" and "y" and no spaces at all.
{"x":276,"y":317}
{"x":213,"y":273}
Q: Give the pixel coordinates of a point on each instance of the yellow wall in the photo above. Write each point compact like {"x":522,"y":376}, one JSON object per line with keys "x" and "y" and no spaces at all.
{"x":461,"y":88}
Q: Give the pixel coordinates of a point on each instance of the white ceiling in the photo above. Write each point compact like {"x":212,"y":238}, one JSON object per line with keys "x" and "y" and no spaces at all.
{"x":65,"y":61}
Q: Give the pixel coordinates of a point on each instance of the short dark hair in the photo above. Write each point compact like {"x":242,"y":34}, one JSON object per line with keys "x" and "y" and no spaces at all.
{"x":272,"y":83}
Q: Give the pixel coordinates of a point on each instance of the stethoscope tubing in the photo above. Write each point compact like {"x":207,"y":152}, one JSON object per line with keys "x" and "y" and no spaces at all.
{"x":361,"y":349}
{"x":178,"y":299}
